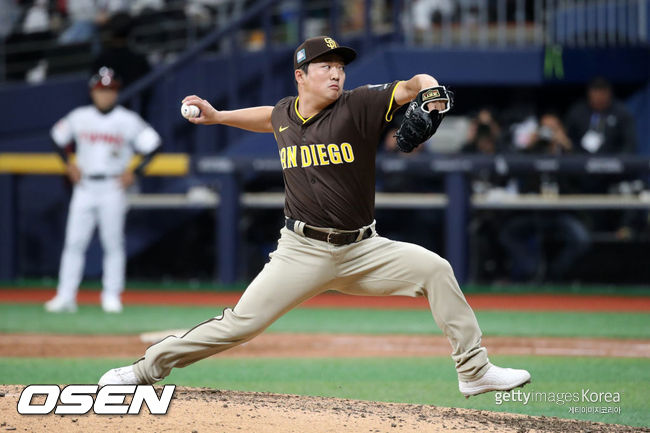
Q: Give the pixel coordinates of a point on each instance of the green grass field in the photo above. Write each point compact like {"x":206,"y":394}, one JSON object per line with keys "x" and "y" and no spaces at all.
{"x":135,"y":319}
{"x":407,"y":380}
{"x":411,"y":380}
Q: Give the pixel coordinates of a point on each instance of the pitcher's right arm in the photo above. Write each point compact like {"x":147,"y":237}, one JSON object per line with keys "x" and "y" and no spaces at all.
{"x":256,"y":119}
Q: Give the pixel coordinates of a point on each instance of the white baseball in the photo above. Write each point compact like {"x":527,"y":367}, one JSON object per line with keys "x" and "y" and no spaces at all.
{"x":188,"y":111}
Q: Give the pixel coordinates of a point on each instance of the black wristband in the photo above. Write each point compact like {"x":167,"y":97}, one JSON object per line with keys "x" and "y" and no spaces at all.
{"x":146,"y":159}
{"x":62,"y":153}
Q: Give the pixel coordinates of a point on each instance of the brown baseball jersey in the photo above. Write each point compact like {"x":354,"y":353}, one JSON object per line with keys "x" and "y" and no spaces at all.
{"x":328,"y":163}
{"x":328,"y":160}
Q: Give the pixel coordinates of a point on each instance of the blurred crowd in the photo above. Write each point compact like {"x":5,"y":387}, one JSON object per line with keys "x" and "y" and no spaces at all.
{"x":129,"y":36}
{"x":545,"y":245}
{"x":82,"y":20}
{"x":48,"y":37}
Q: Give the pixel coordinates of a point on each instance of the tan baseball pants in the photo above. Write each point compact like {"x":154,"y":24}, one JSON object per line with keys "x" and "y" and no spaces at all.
{"x":301,"y":268}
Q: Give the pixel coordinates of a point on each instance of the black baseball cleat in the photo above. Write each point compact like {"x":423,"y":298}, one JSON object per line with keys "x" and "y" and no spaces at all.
{"x":495,"y":379}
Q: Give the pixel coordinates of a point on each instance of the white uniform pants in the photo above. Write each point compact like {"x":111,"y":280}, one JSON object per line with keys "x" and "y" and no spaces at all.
{"x":94,"y":202}
{"x":301,"y":268}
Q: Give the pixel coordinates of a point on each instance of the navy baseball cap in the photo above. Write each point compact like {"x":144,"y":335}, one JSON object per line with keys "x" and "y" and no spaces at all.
{"x":315,"y":47}
{"x":105,"y":78}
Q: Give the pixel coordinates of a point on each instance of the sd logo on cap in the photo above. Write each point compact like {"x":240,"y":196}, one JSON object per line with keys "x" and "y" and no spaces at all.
{"x":315,"y":47}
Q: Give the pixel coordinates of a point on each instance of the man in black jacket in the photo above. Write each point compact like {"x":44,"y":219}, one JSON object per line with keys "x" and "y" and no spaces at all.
{"x":600,"y":124}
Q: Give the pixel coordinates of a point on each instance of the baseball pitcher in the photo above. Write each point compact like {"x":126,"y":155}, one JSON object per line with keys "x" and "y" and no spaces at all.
{"x":106,"y":136}
{"x":327,"y":139}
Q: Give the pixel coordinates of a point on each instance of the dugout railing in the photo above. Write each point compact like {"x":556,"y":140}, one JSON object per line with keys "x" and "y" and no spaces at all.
{"x":457,"y":201}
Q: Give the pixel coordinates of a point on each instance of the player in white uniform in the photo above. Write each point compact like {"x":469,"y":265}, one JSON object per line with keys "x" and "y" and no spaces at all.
{"x":106,"y":136}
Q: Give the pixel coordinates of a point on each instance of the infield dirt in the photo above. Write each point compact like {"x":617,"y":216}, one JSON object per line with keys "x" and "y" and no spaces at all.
{"x":318,"y":345}
{"x":195,"y":410}
{"x":208,"y":410}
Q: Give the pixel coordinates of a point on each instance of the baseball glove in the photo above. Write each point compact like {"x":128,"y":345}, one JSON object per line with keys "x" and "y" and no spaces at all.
{"x":419,"y":124}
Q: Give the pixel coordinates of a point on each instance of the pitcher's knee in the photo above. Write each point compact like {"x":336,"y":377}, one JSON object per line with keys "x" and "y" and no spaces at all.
{"x":237,"y":328}
{"x":429,"y":270}
{"x":443,"y":267}
{"x":432,"y":265}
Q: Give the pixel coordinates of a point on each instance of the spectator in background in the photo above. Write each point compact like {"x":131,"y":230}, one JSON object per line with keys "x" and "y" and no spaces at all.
{"x":427,"y":223}
{"x":484,"y":134}
{"x":526,"y":236}
{"x":414,"y":182}
{"x":484,"y":138}
{"x":116,"y":53}
{"x":9,"y":17}
{"x":388,"y":147}
{"x":424,"y":13}
{"x":354,"y":16}
{"x":601,"y":125}
{"x":86,"y":18}
{"x":519,"y":119}
{"x":118,"y":56}
{"x":551,"y":138}
{"x":37,"y":17}
{"x":27,"y":41}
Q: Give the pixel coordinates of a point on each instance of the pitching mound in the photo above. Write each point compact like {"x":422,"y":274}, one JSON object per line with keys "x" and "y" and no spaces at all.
{"x":206,"y":410}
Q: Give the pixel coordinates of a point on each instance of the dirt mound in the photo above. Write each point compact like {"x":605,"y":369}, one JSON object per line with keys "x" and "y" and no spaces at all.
{"x":207,"y":410}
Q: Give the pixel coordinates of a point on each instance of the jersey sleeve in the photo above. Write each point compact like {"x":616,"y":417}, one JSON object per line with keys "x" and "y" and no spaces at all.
{"x":62,"y":132}
{"x":146,"y":139}
{"x":372,"y":107}
{"x":278,"y":114}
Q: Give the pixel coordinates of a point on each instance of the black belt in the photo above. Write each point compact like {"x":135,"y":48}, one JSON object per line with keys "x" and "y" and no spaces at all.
{"x":100,"y":176}
{"x":334,"y":238}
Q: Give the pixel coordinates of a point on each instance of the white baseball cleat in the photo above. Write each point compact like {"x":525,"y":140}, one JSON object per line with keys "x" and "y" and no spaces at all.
{"x":119,"y":376}
{"x":495,"y":379}
{"x":61,"y":305}
{"x":111,"y":304}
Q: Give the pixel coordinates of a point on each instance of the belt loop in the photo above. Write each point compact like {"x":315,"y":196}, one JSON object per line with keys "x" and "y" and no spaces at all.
{"x":289,"y":223}
{"x":295,"y":226}
{"x":362,"y":230}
